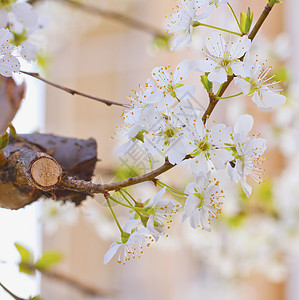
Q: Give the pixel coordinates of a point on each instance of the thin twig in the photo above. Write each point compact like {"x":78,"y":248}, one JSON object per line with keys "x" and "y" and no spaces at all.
{"x":72,"y":91}
{"x":88,"y":290}
{"x":11,"y":293}
{"x":109,"y":14}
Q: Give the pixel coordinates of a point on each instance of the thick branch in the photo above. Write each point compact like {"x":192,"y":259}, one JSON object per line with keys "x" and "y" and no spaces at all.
{"x":72,"y":91}
{"x":34,"y":165}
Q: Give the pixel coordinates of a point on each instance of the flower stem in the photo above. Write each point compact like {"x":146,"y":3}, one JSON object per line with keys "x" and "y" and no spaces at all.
{"x":124,"y":196}
{"x":150,"y":162}
{"x":219,"y":28}
{"x":232,"y":10}
{"x":228,"y":97}
{"x":171,"y":189}
{"x":113,"y":214}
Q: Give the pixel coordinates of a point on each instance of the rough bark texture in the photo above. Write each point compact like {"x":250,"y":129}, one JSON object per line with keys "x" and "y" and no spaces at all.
{"x":35,"y":164}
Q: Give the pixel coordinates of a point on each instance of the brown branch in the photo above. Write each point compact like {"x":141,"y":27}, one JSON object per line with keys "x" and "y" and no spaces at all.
{"x":126,"y":20}
{"x":11,"y":293}
{"x":72,"y":91}
{"x":256,"y":28}
{"x":73,"y":184}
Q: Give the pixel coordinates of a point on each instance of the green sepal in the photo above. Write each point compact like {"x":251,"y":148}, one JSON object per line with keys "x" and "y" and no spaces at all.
{"x":229,"y":71}
{"x":246,"y":21}
{"x":208,"y":85}
{"x":151,"y":211}
{"x":19,"y":38}
{"x":124,"y":237}
{"x":35,"y":298}
{"x":144,"y":220}
{"x":4,"y":139}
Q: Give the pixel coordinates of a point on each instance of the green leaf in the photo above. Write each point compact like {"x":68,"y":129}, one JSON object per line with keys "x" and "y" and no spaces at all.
{"x":35,"y":298}
{"x":26,"y":255}
{"x":25,"y":265}
{"x":47,"y":260}
{"x":4,"y":139}
{"x":208,"y":85}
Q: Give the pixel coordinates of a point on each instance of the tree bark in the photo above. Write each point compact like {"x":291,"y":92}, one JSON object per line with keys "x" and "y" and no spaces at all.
{"x":35,"y":164}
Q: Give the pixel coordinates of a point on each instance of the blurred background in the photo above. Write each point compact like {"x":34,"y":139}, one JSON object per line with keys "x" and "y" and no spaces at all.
{"x":253,"y":249}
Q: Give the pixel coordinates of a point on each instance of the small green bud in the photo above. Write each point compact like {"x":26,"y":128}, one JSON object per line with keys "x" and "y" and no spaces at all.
{"x":246,"y":21}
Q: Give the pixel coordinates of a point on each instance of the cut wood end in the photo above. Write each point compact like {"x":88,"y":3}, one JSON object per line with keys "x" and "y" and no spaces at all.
{"x":46,"y":172}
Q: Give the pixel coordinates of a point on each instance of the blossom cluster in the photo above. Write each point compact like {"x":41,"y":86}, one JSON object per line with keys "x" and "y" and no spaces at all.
{"x":18,"y":21}
{"x":163,"y":120}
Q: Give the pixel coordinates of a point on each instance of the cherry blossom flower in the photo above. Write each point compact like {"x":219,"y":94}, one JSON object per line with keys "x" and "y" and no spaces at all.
{"x":259,"y":85}
{"x":131,"y":247}
{"x":203,"y":202}
{"x":173,"y":132}
{"x":182,"y":21}
{"x":247,"y":156}
{"x":161,"y":211}
{"x":209,"y":148}
{"x":223,"y":57}
{"x":170,"y":86}
{"x":8,"y":63}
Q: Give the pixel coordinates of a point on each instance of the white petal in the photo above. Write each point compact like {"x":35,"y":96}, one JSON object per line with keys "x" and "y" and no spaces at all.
{"x":24,"y":13}
{"x":243,"y":127}
{"x":8,"y":65}
{"x":111,"y":252}
{"x":246,"y":187}
{"x":215,"y":44}
{"x":179,"y":40}
{"x":243,"y":85}
{"x":219,"y":157}
{"x":218,"y":76}
{"x":207,"y":65}
{"x":185,"y":92}
{"x":29,"y":51}
{"x":3,"y":17}
{"x":271,"y":99}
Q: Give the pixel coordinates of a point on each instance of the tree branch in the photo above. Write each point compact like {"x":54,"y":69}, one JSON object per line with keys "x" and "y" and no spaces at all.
{"x":73,"y":184}
{"x":11,"y":293}
{"x":126,"y":20}
{"x":72,"y":91}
